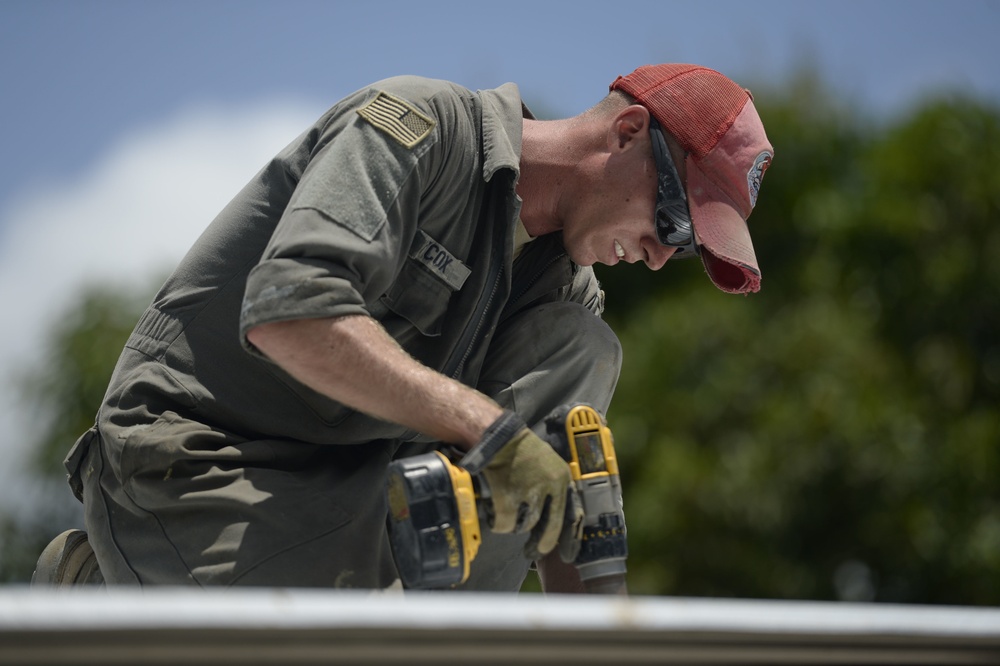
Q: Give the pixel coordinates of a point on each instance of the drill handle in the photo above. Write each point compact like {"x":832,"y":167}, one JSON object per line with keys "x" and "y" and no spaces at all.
{"x":555,"y":431}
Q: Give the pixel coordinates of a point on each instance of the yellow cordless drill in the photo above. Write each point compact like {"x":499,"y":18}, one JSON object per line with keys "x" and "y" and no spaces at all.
{"x":435,"y":508}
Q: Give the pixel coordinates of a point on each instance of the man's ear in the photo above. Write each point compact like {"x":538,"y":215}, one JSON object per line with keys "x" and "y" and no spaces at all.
{"x":630,"y":124}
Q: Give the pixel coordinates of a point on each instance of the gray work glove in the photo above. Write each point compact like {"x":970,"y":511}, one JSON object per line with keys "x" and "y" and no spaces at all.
{"x":528,"y":482}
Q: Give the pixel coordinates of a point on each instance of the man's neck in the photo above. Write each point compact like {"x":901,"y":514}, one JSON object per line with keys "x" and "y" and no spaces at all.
{"x":551,"y":152}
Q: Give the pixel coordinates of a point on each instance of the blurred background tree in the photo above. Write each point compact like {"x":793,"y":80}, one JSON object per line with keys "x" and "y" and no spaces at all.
{"x":83,"y":349}
{"x":65,"y":391}
{"x":832,"y":437}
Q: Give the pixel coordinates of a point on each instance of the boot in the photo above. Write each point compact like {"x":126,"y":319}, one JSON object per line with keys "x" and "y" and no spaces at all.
{"x":68,"y":560}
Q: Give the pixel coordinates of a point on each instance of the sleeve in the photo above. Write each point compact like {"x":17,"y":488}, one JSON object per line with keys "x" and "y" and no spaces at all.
{"x":342,"y":239}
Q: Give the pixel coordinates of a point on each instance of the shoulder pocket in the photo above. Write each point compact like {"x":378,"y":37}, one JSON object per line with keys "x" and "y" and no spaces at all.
{"x":358,"y":177}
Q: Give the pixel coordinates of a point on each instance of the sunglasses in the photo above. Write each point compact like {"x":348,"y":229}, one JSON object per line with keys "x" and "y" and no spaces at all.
{"x":673,"y":217}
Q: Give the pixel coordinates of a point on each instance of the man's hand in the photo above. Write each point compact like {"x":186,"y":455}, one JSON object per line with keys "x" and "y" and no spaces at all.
{"x":528,"y":482}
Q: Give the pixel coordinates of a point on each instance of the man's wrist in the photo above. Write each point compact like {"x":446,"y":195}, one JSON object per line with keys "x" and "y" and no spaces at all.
{"x":496,"y":435}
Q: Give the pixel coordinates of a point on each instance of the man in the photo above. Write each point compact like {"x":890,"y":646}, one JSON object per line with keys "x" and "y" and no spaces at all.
{"x":414,"y":269}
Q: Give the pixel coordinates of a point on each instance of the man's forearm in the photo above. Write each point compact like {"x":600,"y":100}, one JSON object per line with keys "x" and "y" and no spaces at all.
{"x":354,"y":361}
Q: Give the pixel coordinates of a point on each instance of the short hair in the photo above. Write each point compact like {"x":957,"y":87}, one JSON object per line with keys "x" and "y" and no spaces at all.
{"x":613,"y":102}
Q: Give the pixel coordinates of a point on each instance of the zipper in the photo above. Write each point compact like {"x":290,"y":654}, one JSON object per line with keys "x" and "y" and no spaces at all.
{"x":485,"y":306}
{"x":481,"y":315}
{"x":454,"y":367}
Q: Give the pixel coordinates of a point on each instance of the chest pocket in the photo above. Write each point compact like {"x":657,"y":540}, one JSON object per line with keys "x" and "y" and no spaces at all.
{"x":423,"y":289}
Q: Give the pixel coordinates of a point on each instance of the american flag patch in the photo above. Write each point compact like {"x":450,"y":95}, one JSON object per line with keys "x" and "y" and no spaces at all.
{"x":397,"y":118}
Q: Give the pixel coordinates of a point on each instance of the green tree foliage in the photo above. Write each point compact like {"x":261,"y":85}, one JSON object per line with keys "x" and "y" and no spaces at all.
{"x":65,"y":391}
{"x":834,"y":436}
{"x":83,"y":348}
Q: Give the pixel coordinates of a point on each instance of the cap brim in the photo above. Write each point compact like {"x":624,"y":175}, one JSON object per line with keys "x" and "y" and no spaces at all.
{"x":726,"y":248}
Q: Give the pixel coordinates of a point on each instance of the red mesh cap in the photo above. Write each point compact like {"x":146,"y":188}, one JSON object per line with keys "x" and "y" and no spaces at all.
{"x":715,"y":121}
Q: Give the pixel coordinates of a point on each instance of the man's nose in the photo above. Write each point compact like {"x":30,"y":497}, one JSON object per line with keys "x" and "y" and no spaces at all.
{"x":657,"y":254}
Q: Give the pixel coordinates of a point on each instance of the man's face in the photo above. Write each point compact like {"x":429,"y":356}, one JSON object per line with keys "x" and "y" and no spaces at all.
{"x":612,"y":218}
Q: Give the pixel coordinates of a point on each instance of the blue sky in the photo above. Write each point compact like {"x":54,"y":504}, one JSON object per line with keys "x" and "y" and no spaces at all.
{"x":78,"y":73}
{"x":124,"y":126}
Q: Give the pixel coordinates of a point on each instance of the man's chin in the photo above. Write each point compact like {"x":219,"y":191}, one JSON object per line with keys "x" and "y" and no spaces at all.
{"x":587,"y":259}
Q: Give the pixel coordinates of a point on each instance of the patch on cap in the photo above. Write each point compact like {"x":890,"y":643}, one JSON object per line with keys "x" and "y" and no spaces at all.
{"x":397,"y":118}
{"x":756,"y":174}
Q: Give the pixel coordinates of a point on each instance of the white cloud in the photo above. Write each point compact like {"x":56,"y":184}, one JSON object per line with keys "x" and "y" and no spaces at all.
{"x":130,"y":217}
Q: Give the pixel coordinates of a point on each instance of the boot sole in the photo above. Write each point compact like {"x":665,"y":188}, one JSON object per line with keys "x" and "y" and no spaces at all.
{"x":68,"y":560}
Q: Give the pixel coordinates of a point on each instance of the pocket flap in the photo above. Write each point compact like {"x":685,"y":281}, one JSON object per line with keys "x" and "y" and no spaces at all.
{"x":74,"y":460}
{"x":424,"y":287}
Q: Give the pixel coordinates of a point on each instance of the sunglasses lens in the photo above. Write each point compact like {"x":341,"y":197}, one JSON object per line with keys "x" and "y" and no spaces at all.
{"x":673,"y":228}
{"x":664,"y":227}
{"x":673,"y":218}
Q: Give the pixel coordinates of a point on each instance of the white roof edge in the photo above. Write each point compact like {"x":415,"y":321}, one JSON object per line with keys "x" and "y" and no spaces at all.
{"x":75,"y":609}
